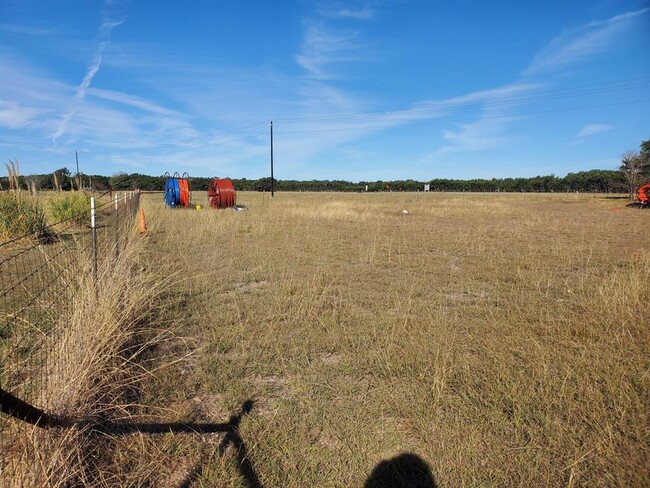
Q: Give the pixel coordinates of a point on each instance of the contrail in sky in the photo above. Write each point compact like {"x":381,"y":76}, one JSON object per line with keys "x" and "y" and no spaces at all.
{"x":104,"y":36}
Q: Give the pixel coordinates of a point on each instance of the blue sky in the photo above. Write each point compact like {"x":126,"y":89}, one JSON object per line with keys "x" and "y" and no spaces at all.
{"x":357,"y":90}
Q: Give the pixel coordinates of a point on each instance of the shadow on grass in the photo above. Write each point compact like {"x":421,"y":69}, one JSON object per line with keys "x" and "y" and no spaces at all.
{"x":407,"y":470}
{"x":21,"y":410}
{"x":231,"y":437}
{"x":404,"y":471}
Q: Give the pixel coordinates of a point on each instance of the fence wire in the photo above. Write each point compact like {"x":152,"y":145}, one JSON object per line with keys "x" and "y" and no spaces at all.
{"x":39,"y":275}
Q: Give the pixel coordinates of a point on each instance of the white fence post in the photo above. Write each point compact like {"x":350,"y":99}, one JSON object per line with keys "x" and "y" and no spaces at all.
{"x":93,"y":230}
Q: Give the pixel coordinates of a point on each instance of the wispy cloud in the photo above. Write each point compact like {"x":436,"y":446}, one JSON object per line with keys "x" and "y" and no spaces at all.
{"x":25,"y":30}
{"x":323,"y":48}
{"x":32,"y":101}
{"x":133,"y":101}
{"x":593,"y":129}
{"x":490,"y":128}
{"x":471,"y":104}
{"x":107,"y":120}
{"x":333,"y":9}
{"x":576,"y":44}
{"x":484,"y":133}
{"x":365,"y":13}
{"x":14,"y":116}
{"x":326,"y":43}
{"x":104,"y":37}
{"x":303,"y":138}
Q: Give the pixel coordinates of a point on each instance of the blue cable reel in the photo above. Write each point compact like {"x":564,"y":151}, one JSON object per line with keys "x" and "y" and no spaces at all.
{"x":172,"y":190}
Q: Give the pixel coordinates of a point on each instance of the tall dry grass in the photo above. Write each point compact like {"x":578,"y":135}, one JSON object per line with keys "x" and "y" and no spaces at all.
{"x":98,"y":357}
{"x":20,"y":215}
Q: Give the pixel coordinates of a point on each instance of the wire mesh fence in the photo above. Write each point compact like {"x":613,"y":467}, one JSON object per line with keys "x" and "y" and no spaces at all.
{"x":39,"y":275}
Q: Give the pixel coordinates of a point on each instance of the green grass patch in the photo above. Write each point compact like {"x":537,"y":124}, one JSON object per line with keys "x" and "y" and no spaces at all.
{"x":72,"y":205}
{"x":19,"y":215}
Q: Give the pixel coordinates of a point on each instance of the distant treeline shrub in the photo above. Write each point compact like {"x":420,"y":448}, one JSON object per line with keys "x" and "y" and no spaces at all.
{"x":594,"y":181}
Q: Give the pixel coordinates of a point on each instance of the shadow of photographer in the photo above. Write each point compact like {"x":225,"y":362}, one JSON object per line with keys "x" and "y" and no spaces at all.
{"x":407,"y":470}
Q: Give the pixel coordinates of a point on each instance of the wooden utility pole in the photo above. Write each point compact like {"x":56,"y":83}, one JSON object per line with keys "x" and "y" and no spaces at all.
{"x":272,"y":180}
{"x":76,"y":156}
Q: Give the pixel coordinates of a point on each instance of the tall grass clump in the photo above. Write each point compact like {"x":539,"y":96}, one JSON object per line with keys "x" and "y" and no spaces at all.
{"x":98,"y":356}
{"x":20,"y":215}
{"x":71,"y":205}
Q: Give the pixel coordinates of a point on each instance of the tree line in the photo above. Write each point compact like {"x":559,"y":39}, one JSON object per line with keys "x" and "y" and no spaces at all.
{"x":634,"y":171}
{"x":594,"y":181}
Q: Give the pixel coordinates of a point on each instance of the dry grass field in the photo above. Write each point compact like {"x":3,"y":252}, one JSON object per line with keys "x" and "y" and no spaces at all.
{"x":478,"y":339}
{"x":501,"y":339}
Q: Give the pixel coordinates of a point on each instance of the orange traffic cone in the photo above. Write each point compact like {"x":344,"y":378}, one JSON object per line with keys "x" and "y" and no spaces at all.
{"x":143,"y":222}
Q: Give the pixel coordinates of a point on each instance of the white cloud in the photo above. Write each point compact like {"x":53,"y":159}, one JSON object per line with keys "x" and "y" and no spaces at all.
{"x":355,"y":153}
{"x":304,"y":138}
{"x":364,"y":13}
{"x":485,"y":133}
{"x":461,"y":106}
{"x":592,"y":129}
{"x":32,"y":101}
{"x":14,"y":116}
{"x":25,"y":30}
{"x":488,"y":130}
{"x":334,"y":9}
{"x":133,"y":101}
{"x":323,"y":48}
{"x":103,"y":119}
{"x":577,"y":44}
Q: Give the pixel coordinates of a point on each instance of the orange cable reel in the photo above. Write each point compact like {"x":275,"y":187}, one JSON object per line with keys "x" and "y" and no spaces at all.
{"x":221,"y":193}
